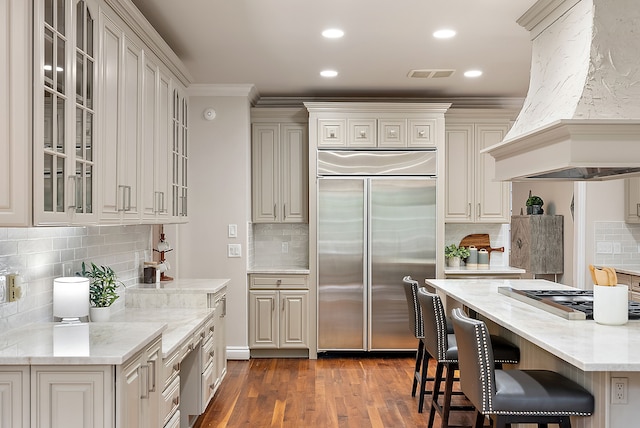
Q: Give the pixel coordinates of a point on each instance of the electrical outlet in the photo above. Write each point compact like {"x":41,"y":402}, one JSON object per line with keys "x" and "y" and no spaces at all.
{"x":619,"y":390}
{"x":603,"y":247}
{"x":234,"y":250}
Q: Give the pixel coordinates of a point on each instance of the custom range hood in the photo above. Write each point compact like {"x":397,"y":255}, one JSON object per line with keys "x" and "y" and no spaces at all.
{"x":581,"y":117}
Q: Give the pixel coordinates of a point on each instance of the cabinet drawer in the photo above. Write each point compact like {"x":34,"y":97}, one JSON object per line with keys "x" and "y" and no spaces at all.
{"x":392,"y":133}
{"x":174,"y":422}
{"x":171,"y":367}
{"x":208,"y":384}
{"x":170,"y":400}
{"x":207,"y":353}
{"x":279,"y":281}
{"x":624,"y":279}
{"x":422,"y":133}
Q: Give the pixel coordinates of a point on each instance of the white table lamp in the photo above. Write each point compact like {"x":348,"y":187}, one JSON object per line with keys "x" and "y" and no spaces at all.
{"x":71,"y":298}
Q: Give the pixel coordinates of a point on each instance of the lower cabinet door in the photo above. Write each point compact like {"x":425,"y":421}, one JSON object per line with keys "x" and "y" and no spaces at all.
{"x":170,"y":401}
{"x":263,"y":330}
{"x":208,"y":384}
{"x":72,"y":397}
{"x":14,"y":396}
{"x":294,"y":319}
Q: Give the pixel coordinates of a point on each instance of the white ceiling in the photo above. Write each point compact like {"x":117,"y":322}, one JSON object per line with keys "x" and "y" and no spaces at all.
{"x":277,"y":46}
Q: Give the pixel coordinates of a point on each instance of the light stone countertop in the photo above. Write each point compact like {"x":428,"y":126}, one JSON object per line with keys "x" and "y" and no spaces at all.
{"x":186,"y":285}
{"x":108,"y":343}
{"x":181,"y":323}
{"x":585,"y":344}
{"x":493,"y":270}
{"x":279,"y":270}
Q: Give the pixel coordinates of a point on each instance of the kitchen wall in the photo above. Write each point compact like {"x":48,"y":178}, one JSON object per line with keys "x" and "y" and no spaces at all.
{"x":280,"y":245}
{"x":617,"y":243}
{"x":219,"y":195}
{"x":39,"y":254}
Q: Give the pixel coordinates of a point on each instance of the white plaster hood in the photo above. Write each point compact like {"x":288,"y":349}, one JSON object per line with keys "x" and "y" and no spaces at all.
{"x":581,"y":117}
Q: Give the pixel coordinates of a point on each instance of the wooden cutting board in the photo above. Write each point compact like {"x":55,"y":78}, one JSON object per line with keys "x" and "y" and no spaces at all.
{"x":479,"y":240}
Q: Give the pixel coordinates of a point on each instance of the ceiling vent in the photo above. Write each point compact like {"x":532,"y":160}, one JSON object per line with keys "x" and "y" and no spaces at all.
{"x":430,"y":74}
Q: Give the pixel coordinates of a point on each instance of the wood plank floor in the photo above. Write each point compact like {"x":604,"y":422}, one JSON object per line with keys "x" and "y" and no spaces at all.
{"x":359,"y":391}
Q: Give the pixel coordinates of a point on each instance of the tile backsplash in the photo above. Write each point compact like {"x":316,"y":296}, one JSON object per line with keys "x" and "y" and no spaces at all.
{"x":617,"y":243}
{"x":280,"y":245}
{"x":40,"y":254}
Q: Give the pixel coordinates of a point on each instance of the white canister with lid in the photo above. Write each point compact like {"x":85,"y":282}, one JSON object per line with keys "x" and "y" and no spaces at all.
{"x":472,"y":260}
{"x":483,"y":259}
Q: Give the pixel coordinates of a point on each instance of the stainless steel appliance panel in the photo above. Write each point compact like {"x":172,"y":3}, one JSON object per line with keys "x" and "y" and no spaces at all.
{"x":341,"y":264}
{"x":370,"y":163}
{"x":401,"y":242}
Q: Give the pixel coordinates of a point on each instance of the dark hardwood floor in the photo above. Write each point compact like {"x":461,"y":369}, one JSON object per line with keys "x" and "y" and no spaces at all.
{"x":346,"y":391}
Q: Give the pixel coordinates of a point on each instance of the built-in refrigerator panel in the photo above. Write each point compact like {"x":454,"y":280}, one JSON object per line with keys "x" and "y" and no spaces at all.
{"x":402,"y":227}
{"x":341,"y":264}
{"x":372,"y":231}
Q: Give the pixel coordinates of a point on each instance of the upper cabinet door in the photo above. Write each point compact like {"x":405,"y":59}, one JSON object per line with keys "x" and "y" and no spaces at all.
{"x":492,"y":196}
{"x":64,"y":112}
{"x":15,"y":137}
{"x":294,"y":188}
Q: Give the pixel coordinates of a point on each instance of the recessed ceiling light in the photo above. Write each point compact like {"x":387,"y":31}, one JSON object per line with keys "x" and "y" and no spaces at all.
{"x":333,"y":33}
{"x":444,"y":34}
{"x":473,"y":73}
{"x":328,"y":73}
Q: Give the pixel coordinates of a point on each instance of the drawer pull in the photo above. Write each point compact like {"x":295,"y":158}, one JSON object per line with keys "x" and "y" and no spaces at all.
{"x":202,"y":334}
{"x":176,"y":367}
{"x":212,"y":328}
{"x":212,"y":353}
{"x":176,"y":401}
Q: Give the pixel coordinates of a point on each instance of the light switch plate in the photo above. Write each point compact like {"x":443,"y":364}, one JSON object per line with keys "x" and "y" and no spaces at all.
{"x":233,"y":231}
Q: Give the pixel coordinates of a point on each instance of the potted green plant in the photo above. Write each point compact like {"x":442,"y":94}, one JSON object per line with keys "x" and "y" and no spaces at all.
{"x":534,"y":205}
{"x":454,"y":254}
{"x":103,"y":290}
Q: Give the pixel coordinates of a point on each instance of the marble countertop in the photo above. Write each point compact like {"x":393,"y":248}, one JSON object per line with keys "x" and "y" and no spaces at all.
{"x":110,"y":343}
{"x":182,"y":285}
{"x":585,"y":344}
{"x":181,"y":323}
{"x":279,"y":270}
{"x":493,"y":270}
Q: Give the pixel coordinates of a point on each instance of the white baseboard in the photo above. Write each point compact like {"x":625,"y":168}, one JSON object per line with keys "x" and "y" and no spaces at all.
{"x":238,"y":353}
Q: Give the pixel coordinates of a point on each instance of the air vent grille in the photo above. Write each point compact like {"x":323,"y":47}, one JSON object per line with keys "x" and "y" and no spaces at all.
{"x":430,"y":74}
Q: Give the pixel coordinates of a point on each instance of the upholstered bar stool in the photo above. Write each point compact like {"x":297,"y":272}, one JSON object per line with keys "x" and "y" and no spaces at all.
{"x":442,"y":346}
{"x":513,"y":396}
{"x":415,"y":325}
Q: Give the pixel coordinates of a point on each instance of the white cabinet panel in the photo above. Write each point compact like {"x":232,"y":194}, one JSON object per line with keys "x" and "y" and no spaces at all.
{"x":472,"y":195}
{"x":15,"y":138}
{"x":14,"y":397}
{"x":294,"y":319}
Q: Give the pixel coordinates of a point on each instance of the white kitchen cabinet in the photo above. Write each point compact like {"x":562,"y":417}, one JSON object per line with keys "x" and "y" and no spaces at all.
{"x":139,"y":389}
{"x":156,"y":134}
{"x":278,"y":312}
{"x":14,"y":396}
{"x":471,"y":193}
{"x":179,"y":155}
{"x":121,"y":94}
{"x":279,"y":172}
{"x":64,"y":112}
{"x":15,"y":125}
{"x":632,"y":199}
{"x":366,"y":129}
{"x":72,"y":397}
{"x":220,"y":339}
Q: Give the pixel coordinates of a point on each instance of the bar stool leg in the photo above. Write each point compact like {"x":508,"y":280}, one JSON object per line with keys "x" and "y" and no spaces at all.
{"x":416,"y":373}
{"x":434,"y":394}
{"x":448,"y":391}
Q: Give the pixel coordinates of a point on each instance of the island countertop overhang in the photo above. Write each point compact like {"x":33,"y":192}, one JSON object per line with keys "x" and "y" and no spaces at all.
{"x":582,"y":343}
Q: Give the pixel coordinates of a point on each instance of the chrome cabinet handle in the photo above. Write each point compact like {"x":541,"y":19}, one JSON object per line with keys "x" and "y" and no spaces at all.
{"x":145,"y":372}
{"x":638,"y":210}
{"x":479,"y":210}
{"x":152,"y":377}
{"x":274,"y":211}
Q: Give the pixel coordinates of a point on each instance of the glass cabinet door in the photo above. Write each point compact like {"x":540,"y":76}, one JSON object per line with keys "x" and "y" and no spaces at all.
{"x":64,"y":123}
{"x":179,"y":156}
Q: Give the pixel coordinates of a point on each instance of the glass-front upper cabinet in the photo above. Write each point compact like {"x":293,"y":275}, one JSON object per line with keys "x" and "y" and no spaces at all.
{"x":179,"y":156}
{"x":64,"y":112}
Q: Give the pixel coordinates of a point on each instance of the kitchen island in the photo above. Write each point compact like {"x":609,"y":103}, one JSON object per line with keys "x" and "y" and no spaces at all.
{"x":589,"y":353}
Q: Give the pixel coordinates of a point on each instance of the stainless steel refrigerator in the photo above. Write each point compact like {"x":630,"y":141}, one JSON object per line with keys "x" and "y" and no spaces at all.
{"x":376,"y":224}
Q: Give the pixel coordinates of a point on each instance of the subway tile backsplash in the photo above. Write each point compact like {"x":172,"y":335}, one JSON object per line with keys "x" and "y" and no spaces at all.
{"x":280,"y":245}
{"x":617,"y":243}
{"x":40,"y":254}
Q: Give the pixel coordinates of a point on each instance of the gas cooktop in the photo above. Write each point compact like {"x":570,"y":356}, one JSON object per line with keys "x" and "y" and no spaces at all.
{"x":570,"y":304}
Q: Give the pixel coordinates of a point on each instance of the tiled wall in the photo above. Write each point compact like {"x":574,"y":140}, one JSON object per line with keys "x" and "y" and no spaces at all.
{"x":617,"y":243}
{"x":499,"y":235}
{"x":268,"y":241}
{"x":39,"y":255}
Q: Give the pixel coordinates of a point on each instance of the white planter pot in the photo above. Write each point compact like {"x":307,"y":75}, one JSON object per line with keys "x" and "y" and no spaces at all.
{"x":454,"y":261}
{"x":99,"y":314}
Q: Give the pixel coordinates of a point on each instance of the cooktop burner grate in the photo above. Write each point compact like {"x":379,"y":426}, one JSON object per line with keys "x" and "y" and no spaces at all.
{"x":571,"y":304}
